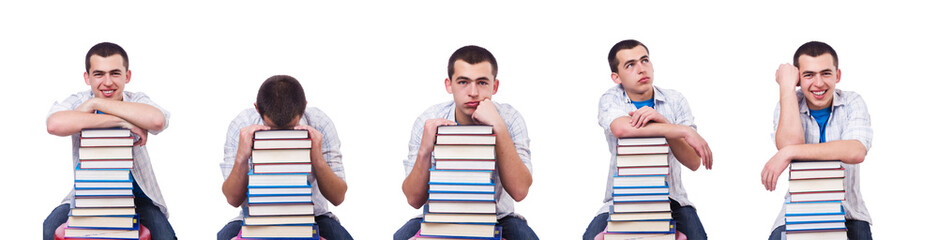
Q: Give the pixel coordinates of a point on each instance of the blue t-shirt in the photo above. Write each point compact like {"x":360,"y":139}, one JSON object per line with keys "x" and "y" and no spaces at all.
{"x":649,"y":103}
{"x":821,"y":117}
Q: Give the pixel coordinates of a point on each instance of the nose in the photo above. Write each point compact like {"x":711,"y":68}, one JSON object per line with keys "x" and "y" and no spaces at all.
{"x":818,"y":82}
{"x":108,"y":80}
{"x":473,"y":90}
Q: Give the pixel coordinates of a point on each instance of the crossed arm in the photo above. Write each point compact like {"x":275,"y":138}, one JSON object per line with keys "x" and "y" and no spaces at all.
{"x":140,"y":118}
{"x":688,"y":147}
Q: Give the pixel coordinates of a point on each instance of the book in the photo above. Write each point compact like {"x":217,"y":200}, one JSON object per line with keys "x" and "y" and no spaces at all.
{"x":818,"y":196}
{"x":279,"y":231}
{"x":283,"y":143}
{"x":280,"y":156}
{"x":816,"y":174}
{"x":813,"y":208}
{"x":657,"y":226}
{"x":641,"y":190}
{"x":638,"y":141}
{"x":460,"y":176}
{"x":816,"y":218}
{"x":840,"y":234}
{"x":459,"y":218}
{"x":103,"y":185}
{"x":281,"y":180}
{"x":280,"y":220}
{"x":808,"y":165}
{"x":110,"y":211}
{"x":629,"y":207}
{"x":105,"y":133}
{"x":107,"y":164}
{"x":460,"y":207}
{"x":649,"y":160}
{"x":101,"y":174}
{"x":99,"y":233}
{"x":468,"y":139}
{"x":280,"y":199}
{"x":283,"y":168}
{"x":497,"y":236}
{"x":465,"y":164}
{"x":281,"y":134}
{"x":461,"y":187}
{"x":280,"y":209}
{"x":816,"y":185}
{"x":465,"y":129}
{"x":111,"y":222}
{"x":105,"y":153}
{"x":104,"y":192}
{"x":464,"y":152}
{"x":637,"y":171}
{"x":789,"y":227}
{"x":639,"y":236}
{"x":266,"y":191}
{"x":83,"y":202}
{"x":458,"y":196}
{"x":645,"y":149}
{"x":107,"y":142}
{"x":639,"y":216}
{"x":639,"y":198}
{"x":456,"y":229}
{"x":637,"y":181}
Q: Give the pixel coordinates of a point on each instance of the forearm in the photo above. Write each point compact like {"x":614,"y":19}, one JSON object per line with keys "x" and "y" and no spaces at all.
{"x":66,"y":123}
{"x":416,"y":184}
{"x":330,"y":185}
{"x":235,"y":186}
{"x":789,"y":130}
{"x":622,"y":129}
{"x":684,"y":153}
{"x":138,"y":114}
{"x":514,"y":175}
{"x":846,"y":151}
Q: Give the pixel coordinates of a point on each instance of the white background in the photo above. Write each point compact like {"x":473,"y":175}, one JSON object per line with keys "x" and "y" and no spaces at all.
{"x":374,"y":67}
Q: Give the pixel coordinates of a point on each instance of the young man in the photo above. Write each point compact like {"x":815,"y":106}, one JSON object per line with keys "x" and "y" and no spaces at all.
{"x":636,"y":108}
{"x":106,"y":71}
{"x":472,"y":81}
{"x":281,"y":104}
{"x":820,"y":122}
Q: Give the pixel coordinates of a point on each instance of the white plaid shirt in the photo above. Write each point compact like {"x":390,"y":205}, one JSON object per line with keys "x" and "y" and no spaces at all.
{"x":849,"y":120}
{"x":311,"y":117}
{"x":519,"y":135}
{"x":142,"y":171}
{"x":670,"y":104}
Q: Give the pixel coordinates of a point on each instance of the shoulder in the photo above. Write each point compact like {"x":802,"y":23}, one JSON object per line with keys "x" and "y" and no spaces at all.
{"x":616,"y":90}
{"x":439,"y":110}
{"x":136,"y":96}
{"x":505,"y":109}
{"x":246,"y":117}
{"x":670,"y":94}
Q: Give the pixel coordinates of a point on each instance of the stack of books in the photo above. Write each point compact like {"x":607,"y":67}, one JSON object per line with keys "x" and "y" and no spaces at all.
{"x":815,"y":209}
{"x":641,"y":208}
{"x":104,"y":198}
{"x":280,"y":198}
{"x":461,"y":203}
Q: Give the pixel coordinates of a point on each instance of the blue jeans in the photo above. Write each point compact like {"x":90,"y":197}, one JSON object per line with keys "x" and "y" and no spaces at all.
{"x":148,"y":214}
{"x":685,"y":217}
{"x":328,"y":228}
{"x":856,"y":230}
{"x":512,"y":228}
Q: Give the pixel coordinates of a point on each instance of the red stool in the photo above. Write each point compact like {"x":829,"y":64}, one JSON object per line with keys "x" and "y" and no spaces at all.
{"x":60,"y":233}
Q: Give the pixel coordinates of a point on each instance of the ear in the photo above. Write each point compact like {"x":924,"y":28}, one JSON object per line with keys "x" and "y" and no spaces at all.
{"x":615,"y":78}
{"x":449,"y":85}
{"x":87,"y":79}
{"x":838,"y":76}
{"x":128,"y":76}
{"x":495,"y":87}
{"x":255,"y":108}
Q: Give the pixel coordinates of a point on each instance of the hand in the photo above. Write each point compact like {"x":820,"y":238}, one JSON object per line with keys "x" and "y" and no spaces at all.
{"x":701,"y":147}
{"x":787,"y":76}
{"x":487,"y":114}
{"x":140,"y":132}
{"x":641,"y":117}
{"x":246,"y":142}
{"x":429,"y":134}
{"x":87,"y":106}
{"x":316,"y":137}
{"x":773,"y":168}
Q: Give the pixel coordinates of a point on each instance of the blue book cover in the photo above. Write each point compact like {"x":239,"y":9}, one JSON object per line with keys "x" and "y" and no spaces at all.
{"x":839,"y":211}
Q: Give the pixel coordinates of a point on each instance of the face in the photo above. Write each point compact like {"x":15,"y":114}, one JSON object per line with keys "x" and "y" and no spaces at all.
{"x":635,"y":73}
{"x":470,"y":84}
{"x":818,"y":76}
{"x":107,"y":77}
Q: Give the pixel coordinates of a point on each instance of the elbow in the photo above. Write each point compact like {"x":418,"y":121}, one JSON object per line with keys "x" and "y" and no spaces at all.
{"x":414,"y":203}
{"x":519,"y":195}
{"x":694,"y":167}
{"x":158,"y":124}
{"x":338,"y":200}
{"x":620,"y":132}
{"x":234,"y":202}
{"x":856,"y":158}
{"x":55,"y":127}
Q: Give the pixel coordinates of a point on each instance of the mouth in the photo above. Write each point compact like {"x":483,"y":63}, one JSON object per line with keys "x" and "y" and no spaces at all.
{"x":644,"y":80}
{"x":472,"y":104}
{"x":108,"y":93}
{"x":819,"y":93}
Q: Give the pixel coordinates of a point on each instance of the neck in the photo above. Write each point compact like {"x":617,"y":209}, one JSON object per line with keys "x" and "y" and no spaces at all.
{"x":638,"y":97}
{"x":463,"y":119}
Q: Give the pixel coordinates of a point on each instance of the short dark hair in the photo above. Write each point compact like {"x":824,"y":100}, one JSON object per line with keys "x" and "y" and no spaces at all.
{"x":472,"y":54}
{"x":814,"y":49}
{"x":281,"y":99}
{"x":105,"y":49}
{"x":622,"y":45}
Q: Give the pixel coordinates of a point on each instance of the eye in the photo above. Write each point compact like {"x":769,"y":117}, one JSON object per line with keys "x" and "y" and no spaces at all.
{"x":627,"y":66}
{"x":483,"y":83}
{"x":808,"y":75}
{"x":462,"y":82}
{"x":98,"y":74}
{"x":645,"y":60}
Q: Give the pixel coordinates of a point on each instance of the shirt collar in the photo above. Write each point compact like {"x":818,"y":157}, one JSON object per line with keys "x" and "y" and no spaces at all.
{"x":658,"y":97}
{"x":837,"y":102}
